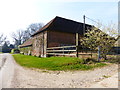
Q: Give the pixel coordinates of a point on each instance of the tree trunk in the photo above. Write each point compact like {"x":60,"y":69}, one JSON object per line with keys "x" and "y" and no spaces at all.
{"x":91,"y":53}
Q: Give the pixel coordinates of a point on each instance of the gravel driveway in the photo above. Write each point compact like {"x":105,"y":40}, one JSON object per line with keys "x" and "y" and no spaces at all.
{"x":0,"y":60}
{"x":35,"y":78}
{"x":6,"y":71}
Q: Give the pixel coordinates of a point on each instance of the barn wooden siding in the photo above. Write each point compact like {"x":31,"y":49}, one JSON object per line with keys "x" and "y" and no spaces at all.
{"x":51,"y":39}
{"x":56,"y":38}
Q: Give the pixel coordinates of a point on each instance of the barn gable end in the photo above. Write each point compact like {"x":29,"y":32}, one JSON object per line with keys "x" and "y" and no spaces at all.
{"x":58,"y":32}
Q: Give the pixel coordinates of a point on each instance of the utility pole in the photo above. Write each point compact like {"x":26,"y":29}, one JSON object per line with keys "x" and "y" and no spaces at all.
{"x":83,"y":24}
{"x":83,"y":29}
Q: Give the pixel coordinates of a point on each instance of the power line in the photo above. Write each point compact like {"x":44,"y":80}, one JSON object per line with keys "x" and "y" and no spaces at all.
{"x":95,"y":21}
{"x":91,"y":19}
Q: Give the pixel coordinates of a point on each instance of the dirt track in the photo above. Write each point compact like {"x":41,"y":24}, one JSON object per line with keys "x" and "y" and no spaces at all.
{"x":6,"y":71}
{"x":28,"y":78}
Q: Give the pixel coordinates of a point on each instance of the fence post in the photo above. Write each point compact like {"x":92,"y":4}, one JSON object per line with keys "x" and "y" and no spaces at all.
{"x":76,"y":51}
{"x":53,"y":52}
{"x":99,"y":53}
{"x":63,"y":51}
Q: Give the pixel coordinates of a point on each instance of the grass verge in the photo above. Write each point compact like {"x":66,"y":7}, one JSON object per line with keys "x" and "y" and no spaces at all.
{"x":55,"y":63}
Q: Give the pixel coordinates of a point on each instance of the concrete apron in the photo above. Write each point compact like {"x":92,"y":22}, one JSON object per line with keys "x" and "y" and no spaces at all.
{"x":7,"y":71}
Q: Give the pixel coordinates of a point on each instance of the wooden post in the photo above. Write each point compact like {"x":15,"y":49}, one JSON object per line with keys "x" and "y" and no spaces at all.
{"x":63,"y":51}
{"x":43,"y":43}
{"x":77,"y":51}
{"x":84,"y":31}
{"x":99,"y":54}
{"x":77,"y":37}
{"x":53,"y":52}
{"x":83,"y":24}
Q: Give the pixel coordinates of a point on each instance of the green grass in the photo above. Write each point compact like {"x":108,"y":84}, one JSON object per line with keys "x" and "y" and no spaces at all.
{"x":106,"y":76}
{"x":54,"y":63}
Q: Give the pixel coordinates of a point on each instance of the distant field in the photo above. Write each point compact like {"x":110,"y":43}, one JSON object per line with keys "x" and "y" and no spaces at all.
{"x":55,"y":63}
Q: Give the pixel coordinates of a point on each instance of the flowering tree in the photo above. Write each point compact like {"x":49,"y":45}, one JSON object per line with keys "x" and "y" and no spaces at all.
{"x":95,"y":38}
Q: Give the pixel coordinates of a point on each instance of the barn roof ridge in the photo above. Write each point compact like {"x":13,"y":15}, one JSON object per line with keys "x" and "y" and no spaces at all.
{"x":58,"y":22}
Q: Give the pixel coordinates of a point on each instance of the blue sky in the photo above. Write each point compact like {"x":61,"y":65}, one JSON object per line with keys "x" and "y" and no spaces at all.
{"x":18,"y":14}
{"x":103,"y":11}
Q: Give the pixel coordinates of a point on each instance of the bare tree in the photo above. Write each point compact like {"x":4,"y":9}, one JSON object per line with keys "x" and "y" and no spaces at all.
{"x":22,"y":35}
{"x":2,"y":38}
{"x":18,"y":37}
{"x":32,"y":28}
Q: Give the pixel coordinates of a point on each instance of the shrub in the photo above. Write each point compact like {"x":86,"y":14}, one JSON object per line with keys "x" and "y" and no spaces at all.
{"x":15,"y":51}
{"x":89,"y":61}
{"x":12,"y":51}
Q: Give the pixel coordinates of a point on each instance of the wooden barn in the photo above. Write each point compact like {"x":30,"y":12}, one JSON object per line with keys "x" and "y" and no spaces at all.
{"x":58,"y":32}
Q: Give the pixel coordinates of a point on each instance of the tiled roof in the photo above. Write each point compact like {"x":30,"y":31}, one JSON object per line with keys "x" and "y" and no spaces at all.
{"x":27,"y":43}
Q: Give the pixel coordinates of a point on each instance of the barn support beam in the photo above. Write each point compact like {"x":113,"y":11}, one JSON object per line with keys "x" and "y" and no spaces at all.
{"x":77,"y":39}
